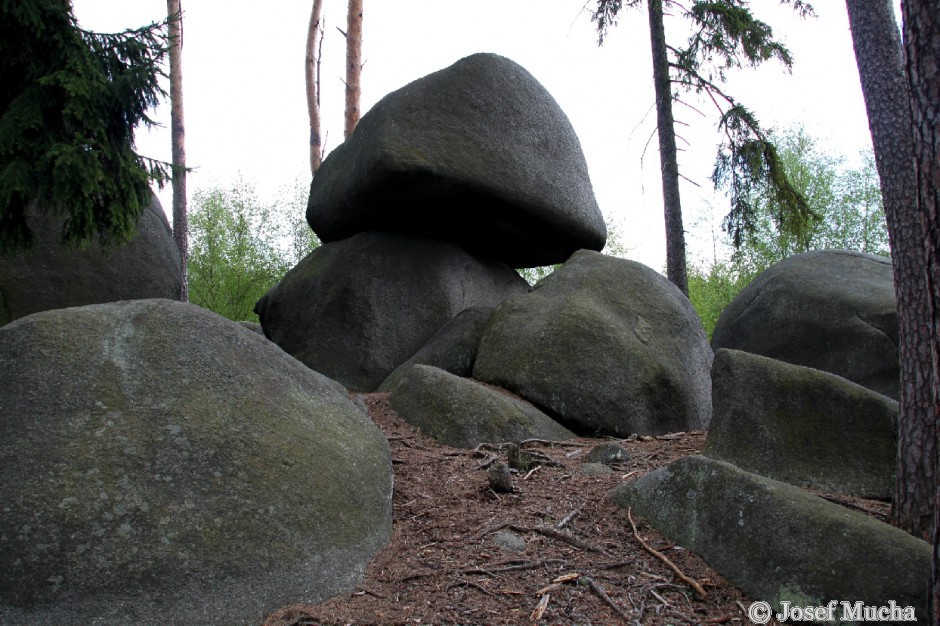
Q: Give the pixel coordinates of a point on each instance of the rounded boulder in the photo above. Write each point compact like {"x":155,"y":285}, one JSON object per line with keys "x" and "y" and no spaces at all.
{"x":164,"y":465}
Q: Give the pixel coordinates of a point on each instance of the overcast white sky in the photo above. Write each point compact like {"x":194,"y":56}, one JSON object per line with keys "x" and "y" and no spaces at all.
{"x":245,"y":107}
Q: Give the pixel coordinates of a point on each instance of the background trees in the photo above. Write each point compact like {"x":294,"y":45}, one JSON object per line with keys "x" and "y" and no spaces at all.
{"x":70,"y":103}
{"x":724,"y":35}
{"x":846,"y":214}
{"x":242,"y":247}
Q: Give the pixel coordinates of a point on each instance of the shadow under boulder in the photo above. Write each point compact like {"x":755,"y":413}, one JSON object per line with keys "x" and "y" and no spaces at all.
{"x":777,"y":542}
{"x":802,"y":426}
{"x":356,"y":309}
{"x":164,"y":465}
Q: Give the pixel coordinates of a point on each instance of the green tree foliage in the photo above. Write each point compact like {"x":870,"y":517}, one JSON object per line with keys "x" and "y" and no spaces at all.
{"x":70,"y":102}
{"x":239,"y":248}
{"x":726,"y":35}
{"x":846,"y":210}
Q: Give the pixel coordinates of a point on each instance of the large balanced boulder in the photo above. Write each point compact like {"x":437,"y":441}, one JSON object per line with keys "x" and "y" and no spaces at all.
{"x":802,"y":426}
{"x":832,"y":310}
{"x":605,"y":345}
{"x":53,"y":276}
{"x":463,"y":413}
{"x":453,"y":348}
{"x":162,"y":465}
{"x":779,"y":543}
{"x":356,"y":309}
{"x":478,"y":153}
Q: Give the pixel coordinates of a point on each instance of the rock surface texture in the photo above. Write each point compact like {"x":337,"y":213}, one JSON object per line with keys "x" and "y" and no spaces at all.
{"x":802,"y":426}
{"x":478,"y":153}
{"x":53,"y":276}
{"x":453,"y":348}
{"x":162,"y":465}
{"x":832,"y":310}
{"x":777,"y":542}
{"x":356,"y":309}
{"x":463,"y":413}
{"x":605,"y":345}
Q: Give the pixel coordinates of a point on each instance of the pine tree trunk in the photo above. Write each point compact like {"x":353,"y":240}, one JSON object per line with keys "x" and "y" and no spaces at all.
{"x":180,"y":225}
{"x":921,"y":36}
{"x":669,"y":165}
{"x":312,"y":79}
{"x":353,"y":64}
{"x":880,"y":63}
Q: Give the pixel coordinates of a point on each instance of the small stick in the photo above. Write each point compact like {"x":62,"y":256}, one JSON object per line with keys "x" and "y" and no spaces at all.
{"x":606,"y":598}
{"x":539,"y":610}
{"x":470,"y":583}
{"x":662,"y":557}
{"x":531,"y":471}
{"x":546,"y":442}
{"x":567,"y":518}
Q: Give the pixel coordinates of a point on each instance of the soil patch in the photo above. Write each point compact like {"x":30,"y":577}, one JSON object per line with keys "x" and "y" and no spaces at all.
{"x":555,"y":550}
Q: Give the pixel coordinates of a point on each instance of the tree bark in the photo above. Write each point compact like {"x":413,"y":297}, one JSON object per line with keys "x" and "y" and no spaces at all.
{"x":180,"y":225}
{"x":669,"y":165}
{"x":312,"y":79}
{"x":353,"y":64}
{"x":922,"y":45}
{"x":880,"y":62}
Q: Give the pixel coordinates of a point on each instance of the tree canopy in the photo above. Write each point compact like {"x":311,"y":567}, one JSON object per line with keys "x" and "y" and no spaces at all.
{"x":726,"y":35}
{"x":70,"y":103}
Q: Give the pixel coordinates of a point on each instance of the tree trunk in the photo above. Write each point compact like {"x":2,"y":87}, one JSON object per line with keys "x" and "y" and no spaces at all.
{"x":180,"y":226}
{"x":669,"y":165}
{"x":921,"y":36}
{"x":353,"y":64}
{"x":312,"y":76}
{"x":881,"y":69}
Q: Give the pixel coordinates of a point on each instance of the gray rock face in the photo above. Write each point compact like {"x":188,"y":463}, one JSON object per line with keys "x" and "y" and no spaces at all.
{"x":478,"y":153}
{"x":162,"y":465}
{"x":802,"y":426}
{"x":453,"y":348}
{"x":463,"y":413}
{"x":606,"y":345}
{"x":356,"y":309}
{"x":832,"y":310}
{"x":777,"y":542}
{"x":53,"y":276}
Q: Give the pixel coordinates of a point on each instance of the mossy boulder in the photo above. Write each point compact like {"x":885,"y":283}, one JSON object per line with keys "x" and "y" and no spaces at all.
{"x":832,"y":310}
{"x":356,"y":309}
{"x":453,"y":348}
{"x":163,"y":465}
{"x":53,"y":276}
{"x":802,"y":426}
{"x":478,"y":153}
{"x":777,"y":542}
{"x":606,"y":346}
{"x":463,"y":413}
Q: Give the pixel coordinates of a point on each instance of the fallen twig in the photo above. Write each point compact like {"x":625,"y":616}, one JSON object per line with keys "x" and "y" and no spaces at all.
{"x":567,"y":518}
{"x":546,"y":442}
{"x":606,"y":598}
{"x":662,"y":557}
{"x":548,"y":532}
{"x":539,"y":610}
{"x":470,"y":583}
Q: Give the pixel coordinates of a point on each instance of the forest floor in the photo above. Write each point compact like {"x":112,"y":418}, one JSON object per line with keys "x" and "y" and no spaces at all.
{"x":555,"y":550}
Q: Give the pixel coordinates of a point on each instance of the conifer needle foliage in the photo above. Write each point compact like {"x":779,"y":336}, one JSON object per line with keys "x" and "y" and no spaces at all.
{"x":70,"y":103}
{"x":726,"y":35}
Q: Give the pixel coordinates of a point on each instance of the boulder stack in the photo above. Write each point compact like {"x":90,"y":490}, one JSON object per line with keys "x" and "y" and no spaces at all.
{"x":444,"y":187}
